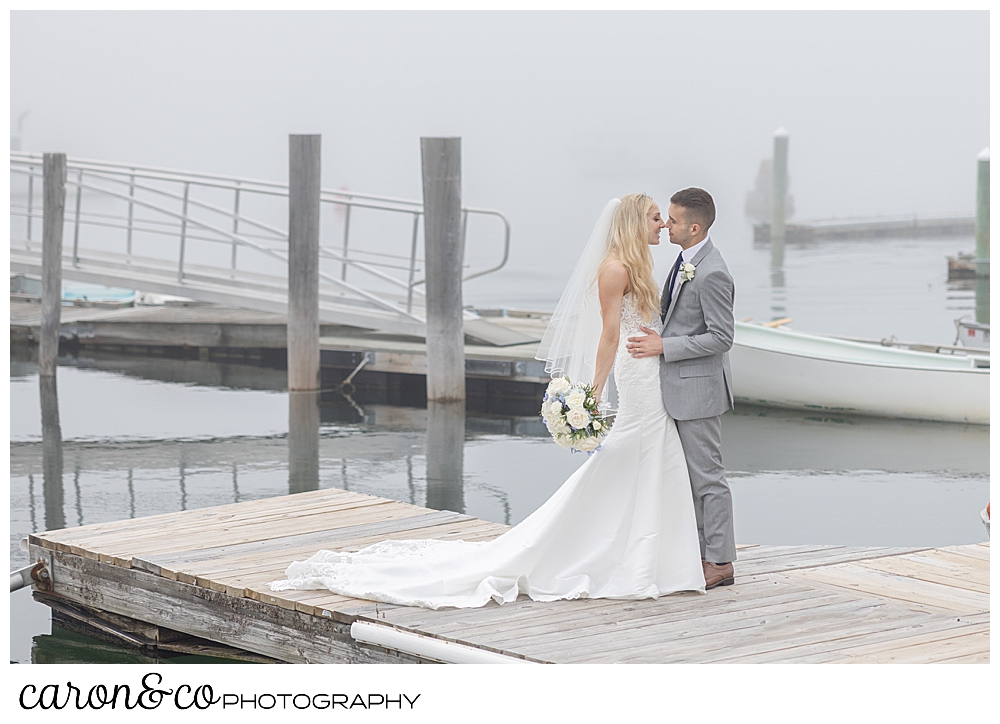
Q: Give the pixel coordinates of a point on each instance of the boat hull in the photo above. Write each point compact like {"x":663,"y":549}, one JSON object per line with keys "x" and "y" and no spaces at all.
{"x":786,"y":378}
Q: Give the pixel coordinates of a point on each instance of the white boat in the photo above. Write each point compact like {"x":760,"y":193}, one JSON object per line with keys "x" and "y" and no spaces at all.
{"x":970,"y":333}
{"x":777,"y":367}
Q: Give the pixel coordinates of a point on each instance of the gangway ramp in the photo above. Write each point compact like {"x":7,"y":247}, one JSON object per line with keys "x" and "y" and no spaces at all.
{"x":191,"y":235}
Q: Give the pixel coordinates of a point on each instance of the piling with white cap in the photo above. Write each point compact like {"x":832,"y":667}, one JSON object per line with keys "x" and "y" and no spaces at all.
{"x":779,"y":190}
{"x":983,"y":238}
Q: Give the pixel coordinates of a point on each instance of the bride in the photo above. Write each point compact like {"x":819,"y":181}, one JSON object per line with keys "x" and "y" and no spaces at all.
{"x":623,"y":525}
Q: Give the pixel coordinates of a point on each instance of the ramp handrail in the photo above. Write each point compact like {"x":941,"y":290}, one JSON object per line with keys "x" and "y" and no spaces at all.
{"x":275,"y":254}
{"x":101,"y":177}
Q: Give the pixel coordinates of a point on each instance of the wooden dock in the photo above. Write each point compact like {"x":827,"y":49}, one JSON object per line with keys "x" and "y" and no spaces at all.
{"x":197,"y":582}
{"x":807,"y":233}
{"x":226,"y":334}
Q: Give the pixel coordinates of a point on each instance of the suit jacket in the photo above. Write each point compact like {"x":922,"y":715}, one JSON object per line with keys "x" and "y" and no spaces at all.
{"x":695,"y":379}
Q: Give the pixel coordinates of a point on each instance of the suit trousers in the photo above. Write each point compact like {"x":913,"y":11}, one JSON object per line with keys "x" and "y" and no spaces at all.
{"x":713,"y":502}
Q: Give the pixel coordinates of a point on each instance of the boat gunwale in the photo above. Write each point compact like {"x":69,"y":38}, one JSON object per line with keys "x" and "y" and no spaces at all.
{"x":918,"y":356}
{"x":863,"y":363}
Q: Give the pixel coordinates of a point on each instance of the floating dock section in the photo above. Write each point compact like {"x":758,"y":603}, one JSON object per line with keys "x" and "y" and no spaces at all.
{"x":197,"y":582}
{"x":372,"y":361}
{"x":808,"y":233}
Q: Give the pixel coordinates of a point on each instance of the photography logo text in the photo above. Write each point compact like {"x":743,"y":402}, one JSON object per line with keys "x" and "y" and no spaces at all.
{"x":151,"y":692}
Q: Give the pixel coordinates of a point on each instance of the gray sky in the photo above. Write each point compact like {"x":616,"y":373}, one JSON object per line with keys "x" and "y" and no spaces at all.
{"x":558,"y":111}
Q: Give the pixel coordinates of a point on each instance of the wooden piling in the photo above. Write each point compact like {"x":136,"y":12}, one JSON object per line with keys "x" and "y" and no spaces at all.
{"x":444,"y":252}
{"x":54,"y":204}
{"x":303,"y":262}
{"x":779,"y":191}
{"x":983,"y":239}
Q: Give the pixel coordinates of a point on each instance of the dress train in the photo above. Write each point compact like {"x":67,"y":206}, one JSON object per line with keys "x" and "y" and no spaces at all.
{"x":622,"y":526}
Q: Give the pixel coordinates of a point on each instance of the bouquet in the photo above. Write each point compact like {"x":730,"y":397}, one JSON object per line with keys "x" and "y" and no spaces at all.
{"x":571,"y":415}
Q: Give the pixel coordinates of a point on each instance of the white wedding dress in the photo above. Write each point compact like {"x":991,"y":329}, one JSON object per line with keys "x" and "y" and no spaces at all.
{"x":622,"y":526}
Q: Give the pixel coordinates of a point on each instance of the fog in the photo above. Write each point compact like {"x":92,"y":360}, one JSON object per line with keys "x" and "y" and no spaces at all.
{"x":557,"y":111}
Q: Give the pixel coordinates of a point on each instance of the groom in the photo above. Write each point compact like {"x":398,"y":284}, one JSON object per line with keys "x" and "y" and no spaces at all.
{"x":697,"y":312}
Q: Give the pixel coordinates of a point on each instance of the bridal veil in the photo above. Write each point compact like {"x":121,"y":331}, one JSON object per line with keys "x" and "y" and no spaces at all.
{"x":569,"y":345}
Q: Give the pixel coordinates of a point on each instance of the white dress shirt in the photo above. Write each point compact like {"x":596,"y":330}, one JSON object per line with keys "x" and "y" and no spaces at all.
{"x":686,"y":255}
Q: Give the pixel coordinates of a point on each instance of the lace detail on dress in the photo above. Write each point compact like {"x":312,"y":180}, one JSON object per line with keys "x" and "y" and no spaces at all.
{"x":639,"y":375}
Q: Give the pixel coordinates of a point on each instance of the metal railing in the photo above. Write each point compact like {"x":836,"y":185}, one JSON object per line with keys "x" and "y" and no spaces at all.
{"x":152,"y":195}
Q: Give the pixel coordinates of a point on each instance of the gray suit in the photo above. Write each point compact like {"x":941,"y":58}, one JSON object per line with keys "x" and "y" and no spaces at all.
{"x":696,"y":384}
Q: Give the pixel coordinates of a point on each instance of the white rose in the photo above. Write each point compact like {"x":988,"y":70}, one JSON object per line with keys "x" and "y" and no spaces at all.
{"x":563,"y":441}
{"x":598,"y":426}
{"x":578,"y":418}
{"x":587,"y":444}
{"x":555,"y":407}
{"x":559,"y":386}
{"x":576,"y":399}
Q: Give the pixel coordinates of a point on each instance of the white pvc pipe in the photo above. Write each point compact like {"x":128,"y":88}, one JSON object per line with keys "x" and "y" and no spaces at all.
{"x":21,"y":578}
{"x":426,"y":647}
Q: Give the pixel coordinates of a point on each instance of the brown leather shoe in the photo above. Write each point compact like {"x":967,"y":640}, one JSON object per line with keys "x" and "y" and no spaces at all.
{"x":719,"y":575}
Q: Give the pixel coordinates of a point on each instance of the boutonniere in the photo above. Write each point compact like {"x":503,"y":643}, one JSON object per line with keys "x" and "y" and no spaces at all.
{"x":687,"y":271}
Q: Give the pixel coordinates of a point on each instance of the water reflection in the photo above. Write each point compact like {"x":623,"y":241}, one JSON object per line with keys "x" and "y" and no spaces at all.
{"x":779,"y":303}
{"x":494,"y":467}
{"x":446,"y":456}
{"x":759,"y":439}
{"x":52,"y":455}
{"x":303,"y":441}
{"x":779,"y":306}
{"x":69,"y":647}
{"x":983,"y":300}
{"x":66,"y":645}
{"x":777,"y":244}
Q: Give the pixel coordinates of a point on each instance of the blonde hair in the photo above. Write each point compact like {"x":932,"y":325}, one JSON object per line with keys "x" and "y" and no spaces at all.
{"x":628,"y":243}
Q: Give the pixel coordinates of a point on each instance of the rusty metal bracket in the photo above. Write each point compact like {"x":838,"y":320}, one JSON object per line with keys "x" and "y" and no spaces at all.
{"x":36,"y":575}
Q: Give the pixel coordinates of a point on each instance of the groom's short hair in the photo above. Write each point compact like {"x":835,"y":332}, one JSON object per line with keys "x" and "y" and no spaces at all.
{"x":698,"y":204}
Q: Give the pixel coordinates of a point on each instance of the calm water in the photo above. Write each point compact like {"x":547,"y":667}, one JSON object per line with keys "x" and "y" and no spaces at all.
{"x":140,"y":437}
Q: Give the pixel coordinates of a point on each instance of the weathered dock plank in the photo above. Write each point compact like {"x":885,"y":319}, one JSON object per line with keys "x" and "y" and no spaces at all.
{"x":839,"y":646}
{"x":231,"y":511}
{"x":923,"y":570}
{"x":742,"y":637}
{"x":205,"y":574}
{"x":938,"y":647}
{"x":792,"y":558}
{"x":167,"y":563}
{"x":858,"y":578}
{"x":190,"y":531}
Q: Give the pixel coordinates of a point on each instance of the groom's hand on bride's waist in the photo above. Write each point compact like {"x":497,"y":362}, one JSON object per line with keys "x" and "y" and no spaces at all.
{"x":650,"y":345}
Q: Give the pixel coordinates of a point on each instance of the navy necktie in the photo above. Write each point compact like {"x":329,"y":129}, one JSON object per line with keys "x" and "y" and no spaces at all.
{"x":670,"y":283}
